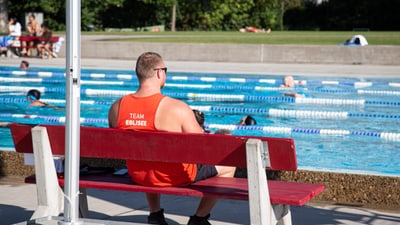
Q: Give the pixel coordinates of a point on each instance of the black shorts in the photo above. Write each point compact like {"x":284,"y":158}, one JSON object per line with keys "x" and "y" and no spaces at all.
{"x":205,"y":171}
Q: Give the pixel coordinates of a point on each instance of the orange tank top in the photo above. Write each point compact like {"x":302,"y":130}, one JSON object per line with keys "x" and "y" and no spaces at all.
{"x":138,"y":113}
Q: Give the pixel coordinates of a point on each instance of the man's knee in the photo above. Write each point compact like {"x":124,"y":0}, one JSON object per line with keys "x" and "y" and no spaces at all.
{"x":226,"y":171}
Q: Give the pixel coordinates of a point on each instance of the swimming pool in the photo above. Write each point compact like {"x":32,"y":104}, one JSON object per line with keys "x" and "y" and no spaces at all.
{"x":344,"y":124}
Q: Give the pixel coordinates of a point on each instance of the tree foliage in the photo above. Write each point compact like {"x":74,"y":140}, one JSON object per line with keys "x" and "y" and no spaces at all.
{"x":217,"y":14}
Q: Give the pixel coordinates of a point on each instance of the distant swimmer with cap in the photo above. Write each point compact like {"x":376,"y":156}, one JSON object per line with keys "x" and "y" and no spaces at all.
{"x":247,"y":121}
{"x":33,"y":96}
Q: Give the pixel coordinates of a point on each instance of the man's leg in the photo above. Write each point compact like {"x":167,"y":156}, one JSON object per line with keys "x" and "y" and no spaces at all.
{"x":156,"y":212}
{"x":154,"y":202}
{"x":207,"y":203}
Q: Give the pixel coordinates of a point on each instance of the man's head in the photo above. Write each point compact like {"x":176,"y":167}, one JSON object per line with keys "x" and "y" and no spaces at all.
{"x":24,"y":65}
{"x":149,"y":65}
{"x":31,"y":17}
{"x":288,"y":81}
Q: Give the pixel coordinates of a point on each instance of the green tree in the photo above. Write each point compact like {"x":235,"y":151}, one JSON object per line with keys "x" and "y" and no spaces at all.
{"x":3,"y":16}
{"x":228,"y":14}
{"x":53,"y":11}
{"x":284,"y":6}
{"x":265,"y":14}
{"x":93,"y":11}
{"x":166,"y":11}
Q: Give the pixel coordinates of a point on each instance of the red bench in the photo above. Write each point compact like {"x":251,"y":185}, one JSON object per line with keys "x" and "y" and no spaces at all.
{"x":54,"y":39}
{"x":27,"y":39}
{"x":253,"y":153}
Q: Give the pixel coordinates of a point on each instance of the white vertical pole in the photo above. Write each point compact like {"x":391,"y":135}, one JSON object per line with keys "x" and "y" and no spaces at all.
{"x":259,"y":202}
{"x":72,"y":128}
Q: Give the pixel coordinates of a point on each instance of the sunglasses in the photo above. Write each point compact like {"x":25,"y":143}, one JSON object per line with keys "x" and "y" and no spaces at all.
{"x":164,"y":68}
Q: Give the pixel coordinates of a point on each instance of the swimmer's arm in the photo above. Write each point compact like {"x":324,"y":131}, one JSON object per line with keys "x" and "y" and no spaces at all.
{"x":5,"y":124}
{"x":293,"y":94}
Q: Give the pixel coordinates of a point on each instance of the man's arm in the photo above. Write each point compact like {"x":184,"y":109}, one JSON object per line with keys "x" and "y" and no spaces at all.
{"x":113,"y":114}
{"x":175,"y":115}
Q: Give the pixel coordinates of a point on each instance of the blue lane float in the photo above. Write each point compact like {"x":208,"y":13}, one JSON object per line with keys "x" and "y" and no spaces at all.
{"x":327,"y":132}
{"x":269,"y":129}
{"x":51,"y":119}
{"x":285,"y":113}
{"x":132,"y":76}
{"x":197,"y":86}
{"x":205,"y":97}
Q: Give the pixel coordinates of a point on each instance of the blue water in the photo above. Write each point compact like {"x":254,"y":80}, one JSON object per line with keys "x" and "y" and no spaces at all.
{"x":349,"y":124}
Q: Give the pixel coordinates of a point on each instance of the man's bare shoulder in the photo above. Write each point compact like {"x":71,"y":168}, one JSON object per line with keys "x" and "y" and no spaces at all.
{"x":174,"y":102}
{"x":174,"y":106}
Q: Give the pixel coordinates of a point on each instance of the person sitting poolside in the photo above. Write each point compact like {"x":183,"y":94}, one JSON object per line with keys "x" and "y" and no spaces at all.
{"x":288,"y":82}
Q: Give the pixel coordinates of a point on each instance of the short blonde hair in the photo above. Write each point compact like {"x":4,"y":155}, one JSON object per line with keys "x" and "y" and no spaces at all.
{"x":146,"y":63}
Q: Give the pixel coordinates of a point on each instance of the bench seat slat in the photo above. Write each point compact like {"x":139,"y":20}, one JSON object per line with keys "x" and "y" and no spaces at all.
{"x":171,"y":147}
{"x":281,"y":192}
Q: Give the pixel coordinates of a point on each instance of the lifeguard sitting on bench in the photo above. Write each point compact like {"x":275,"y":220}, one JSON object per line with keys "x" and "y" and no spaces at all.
{"x":147,"y":109}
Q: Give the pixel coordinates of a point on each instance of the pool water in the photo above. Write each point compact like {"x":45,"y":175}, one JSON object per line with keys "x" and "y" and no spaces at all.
{"x":343,"y":124}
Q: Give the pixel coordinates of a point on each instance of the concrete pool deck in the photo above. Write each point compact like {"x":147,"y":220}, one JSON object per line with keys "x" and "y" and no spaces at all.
{"x":332,"y":70}
{"x":18,"y":202}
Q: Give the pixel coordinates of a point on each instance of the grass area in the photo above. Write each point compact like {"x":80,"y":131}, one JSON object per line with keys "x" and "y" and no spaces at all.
{"x":275,"y":37}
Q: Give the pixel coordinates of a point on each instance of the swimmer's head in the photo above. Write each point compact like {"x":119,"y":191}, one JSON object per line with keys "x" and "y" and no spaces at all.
{"x":223,"y":131}
{"x":24,"y":65}
{"x":199,"y":117}
{"x":247,"y":120}
{"x":33,"y":94}
{"x":288,"y":81}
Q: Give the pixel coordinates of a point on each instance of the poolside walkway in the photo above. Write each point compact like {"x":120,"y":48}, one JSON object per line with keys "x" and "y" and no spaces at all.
{"x":18,"y":200}
{"x":332,"y":70}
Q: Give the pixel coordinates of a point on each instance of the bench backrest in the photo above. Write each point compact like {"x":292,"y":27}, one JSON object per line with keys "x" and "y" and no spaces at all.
{"x":210,"y":149}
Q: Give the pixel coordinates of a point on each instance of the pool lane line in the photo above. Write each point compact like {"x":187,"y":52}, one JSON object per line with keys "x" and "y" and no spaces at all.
{"x":269,"y":129}
{"x":51,"y":119}
{"x":285,"y":113}
{"x":207,"y":96}
{"x":132,"y":76}
{"x":62,"y":81}
{"x":211,"y":98}
{"x":198,"y":86}
{"x":389,"y":136}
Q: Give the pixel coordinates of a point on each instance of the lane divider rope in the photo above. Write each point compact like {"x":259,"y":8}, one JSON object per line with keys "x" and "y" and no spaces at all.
{"x":390,"y":136}
{"x":130,"y":76}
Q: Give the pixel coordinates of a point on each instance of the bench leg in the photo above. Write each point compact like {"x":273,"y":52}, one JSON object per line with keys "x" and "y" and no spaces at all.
{"x":283,"y":215}
{"x":50,"y":196}
{"x":261,"y":211}
{"x":83,"y":204}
